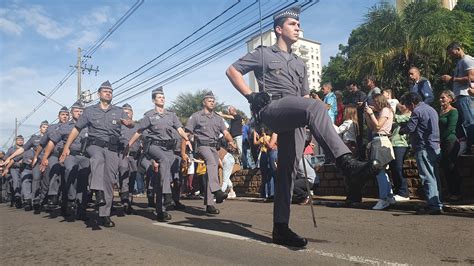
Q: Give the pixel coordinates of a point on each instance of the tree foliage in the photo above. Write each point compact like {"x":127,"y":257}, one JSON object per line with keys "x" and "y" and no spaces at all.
{"x":388,"y":43}
{"x":188,"y":103}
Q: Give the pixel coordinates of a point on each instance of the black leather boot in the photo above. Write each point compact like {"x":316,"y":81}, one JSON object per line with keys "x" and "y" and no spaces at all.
{"x":162,"y":216}
{"x":282,"y":235}
{"x":220,"y":196}
{"x":211,"y":209}
{"x":100,"y":198}
{"x":106,"y":221}
{"x":28,"y":205}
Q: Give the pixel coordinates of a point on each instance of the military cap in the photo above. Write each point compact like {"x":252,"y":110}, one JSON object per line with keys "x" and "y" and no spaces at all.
{"x":105,"y":85}
{"x":292,"y":12}
{"x":208,"y":94}
{"x":64,"y":109}
{"x":45,"y":122}
{"x":77,"y":105}
{"x":19,"y":137}
{"x":127,"y":107}
{"x":156,"y":91}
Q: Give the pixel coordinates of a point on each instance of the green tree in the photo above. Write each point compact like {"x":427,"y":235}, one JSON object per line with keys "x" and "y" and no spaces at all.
{"x":188,"y":103}
{"x":388,"y":43}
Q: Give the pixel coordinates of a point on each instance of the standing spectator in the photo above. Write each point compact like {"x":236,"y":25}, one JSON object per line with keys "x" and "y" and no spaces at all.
{"x":227,"y":162}
{"x":262,"y":140}
{"x":400,"y":149}
{"x":448,"y":119}
{"x":463,"y":89}
{"x":381,"y":127}
{"x":356,"y":98}
{"x":330,"y":101}
{"x":247,"y":158}
{"x":423,"y":129}
{"x":340,"y":108}
{"x":421,"y":85}
{"x":373,"y":89}
{"x":349,"y":129}
{"x":387,"y":93}
{"x":235,"y":129}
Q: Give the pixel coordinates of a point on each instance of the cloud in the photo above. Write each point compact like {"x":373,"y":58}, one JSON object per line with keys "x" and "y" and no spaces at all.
{"x":83,"y":39}
{"x":96,"y":17}
{"x":16,"y":75}
{"x":9,"y":26}
{"x":47,"y":27}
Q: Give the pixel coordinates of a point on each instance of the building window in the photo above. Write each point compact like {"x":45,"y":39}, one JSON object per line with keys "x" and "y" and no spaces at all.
{"x":312,"y":56}
{"x":317,"y":58}
{"x":312,"y":72}
{"x":312,"y":64}
{"x":314,"y":80}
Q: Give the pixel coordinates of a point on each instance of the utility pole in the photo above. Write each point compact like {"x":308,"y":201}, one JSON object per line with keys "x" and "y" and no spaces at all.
{"x":79,"y":70}
{"x":16,"y":131}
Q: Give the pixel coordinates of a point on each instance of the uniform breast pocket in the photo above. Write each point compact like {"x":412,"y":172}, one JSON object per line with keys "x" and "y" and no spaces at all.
{"x":300,"y":71}
{"x":97,"y":119}
{"x":275,"y":68}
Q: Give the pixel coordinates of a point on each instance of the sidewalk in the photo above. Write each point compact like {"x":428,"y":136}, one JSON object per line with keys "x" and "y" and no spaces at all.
{"x":466,"y":207}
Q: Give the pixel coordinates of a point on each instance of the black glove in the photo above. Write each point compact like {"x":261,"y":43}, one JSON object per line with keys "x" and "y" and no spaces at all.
{"x":251,"y":97}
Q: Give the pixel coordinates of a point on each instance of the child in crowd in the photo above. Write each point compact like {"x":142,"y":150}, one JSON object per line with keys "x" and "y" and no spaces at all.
{"x":349,"y":129}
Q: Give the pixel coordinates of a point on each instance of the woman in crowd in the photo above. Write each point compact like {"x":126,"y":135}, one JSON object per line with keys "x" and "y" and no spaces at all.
{"x":448,"y":118}
{"x":400,"y":149}
{"x":349,"y":129}
{"x":381,"y":147}
{"x":261,"y":140}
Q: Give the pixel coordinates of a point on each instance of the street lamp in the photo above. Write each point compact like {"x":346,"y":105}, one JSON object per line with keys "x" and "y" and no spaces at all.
{"x":49,"y":98}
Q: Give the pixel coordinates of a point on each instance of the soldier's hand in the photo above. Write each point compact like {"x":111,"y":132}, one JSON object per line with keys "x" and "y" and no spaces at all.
{"x":33,"y":162}
{"x":5,"y":172}
{"x":64,"y":155}
{"x":127,"y":122}
{"x":126,"y":151}
{"x":5,"y":162}
{"x":155,"y":166}
{"x":44,"y":164}
{"x":251,"y":97}
{"x":188,"y":143}
{"x":233,"y":146}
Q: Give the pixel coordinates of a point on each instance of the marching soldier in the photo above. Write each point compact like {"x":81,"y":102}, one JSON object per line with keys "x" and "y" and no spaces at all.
{"x":12,"y":171}
{"x":103,"y":121}
{"x":159,"y":146}
{"x":76,"y":166}
{"x":128,"y":166}
{"x":206,"y":126}
{"x":31,"y":175}
{"x":288,"y":112}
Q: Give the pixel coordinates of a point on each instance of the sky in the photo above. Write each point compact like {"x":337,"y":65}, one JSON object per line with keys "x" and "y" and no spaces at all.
{"x":39,"y":41}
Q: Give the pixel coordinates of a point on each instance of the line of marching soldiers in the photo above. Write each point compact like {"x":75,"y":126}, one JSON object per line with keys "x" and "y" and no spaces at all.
{"x":93,"y":150}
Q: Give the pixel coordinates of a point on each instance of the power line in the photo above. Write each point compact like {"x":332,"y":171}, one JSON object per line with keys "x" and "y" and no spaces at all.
{"x":91,"y":50}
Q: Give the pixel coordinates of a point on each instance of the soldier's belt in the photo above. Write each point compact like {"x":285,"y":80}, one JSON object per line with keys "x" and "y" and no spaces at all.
{"x":207,"y":143}
{"x":75,"y":153}
{"x":278,"y":96}
{"x":115,"y":147}
{"x":168,"y":144}
{"x":134,"y":154}
{"x":26,"y":166}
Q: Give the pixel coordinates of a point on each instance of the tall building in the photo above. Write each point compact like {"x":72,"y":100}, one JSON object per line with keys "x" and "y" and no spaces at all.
{"x":308,"y":50}
{"x":449,"y":4}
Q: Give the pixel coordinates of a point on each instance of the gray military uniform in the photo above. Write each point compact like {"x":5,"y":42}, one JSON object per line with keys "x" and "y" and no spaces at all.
{"x":206,"y":129}
{"x":128,"y":167}
{"x":286,"y":79}
{"x":15,"y":175}
{"x":76,"y":165}
{"x":31,"y":176}
{"x":103,"y":136}
{"x":161,"y":127}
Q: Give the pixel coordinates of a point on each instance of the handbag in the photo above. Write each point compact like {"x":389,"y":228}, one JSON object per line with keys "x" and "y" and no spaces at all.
{"x":381,"y":149}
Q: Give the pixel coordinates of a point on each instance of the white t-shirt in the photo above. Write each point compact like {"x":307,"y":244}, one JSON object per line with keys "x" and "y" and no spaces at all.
{"x":348,"y":130}
{"x":393,"y":103}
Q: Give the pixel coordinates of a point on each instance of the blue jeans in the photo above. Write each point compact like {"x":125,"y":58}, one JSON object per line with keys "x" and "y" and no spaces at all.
{"x":465,"y":106}
{"x":385,"y":188}
{"x":267,"y":189}
{"x":139,"y":184}
{"x":247,"y":159}
{"x":396,"y":167}
{"x":427,"y":161}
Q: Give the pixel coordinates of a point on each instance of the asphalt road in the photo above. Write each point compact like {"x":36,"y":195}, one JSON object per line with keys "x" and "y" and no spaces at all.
{"x":241,"y":234}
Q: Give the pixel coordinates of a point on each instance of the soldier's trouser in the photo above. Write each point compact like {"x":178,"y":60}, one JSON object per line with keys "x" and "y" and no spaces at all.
{"x":36,"y":184}
{"x":76,"y":176}
{"x":297,"y":112}
{"x":212,"y":159}
{"x":26,"y":180}
{"x":127,"y":173}
{"x":16,"y":181}
{"x":163,"y":183}
{"x":149,"y":176}
{"x":46,"y":177}
{"x":104,"y":168}
{"x":56,"y":176}
{"x":176,"y":174}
